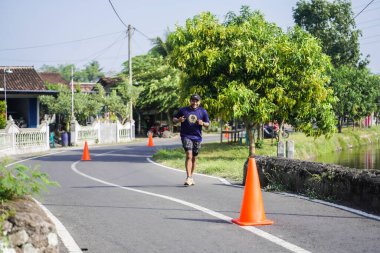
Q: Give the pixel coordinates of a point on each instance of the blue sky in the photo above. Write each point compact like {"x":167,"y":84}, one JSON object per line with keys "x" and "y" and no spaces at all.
{"x":27,"y":27}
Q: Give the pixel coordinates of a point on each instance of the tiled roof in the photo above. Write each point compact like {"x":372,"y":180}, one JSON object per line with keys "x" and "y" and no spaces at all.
{"x":86,"y":87}
{"x":109,"y":81}
{"x":54,"y":78}
{"x":23,"y":78}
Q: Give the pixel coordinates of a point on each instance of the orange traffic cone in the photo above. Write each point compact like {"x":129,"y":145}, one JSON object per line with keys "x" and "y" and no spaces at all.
{"x":226,"y":134}
{"x":86,"y":153}
{"x":150,"y":141}
{"x":252,"y":210}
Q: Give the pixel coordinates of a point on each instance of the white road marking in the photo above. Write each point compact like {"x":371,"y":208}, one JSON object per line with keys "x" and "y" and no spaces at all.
{"x":345,"y":208}
{"x":34,"y":157}
{"x":224,"y":181}
{"x":62,"y":232}
{"x":253,"y":230}
{"x":72,"y":247}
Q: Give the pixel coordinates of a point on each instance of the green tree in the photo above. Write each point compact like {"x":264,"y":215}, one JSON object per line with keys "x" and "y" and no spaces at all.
{"x":245,"y":69}
{"x":91,"y":72}
{"x":332,"y":22}
{"x":158,"y":83}
{"x":49,"y":68}
{"x":85,"y":105}
{"x":112,"y":103}
{"x":357,"y":91}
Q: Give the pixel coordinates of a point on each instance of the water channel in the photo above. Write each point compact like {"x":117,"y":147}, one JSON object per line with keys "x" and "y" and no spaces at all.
{"x":365,"y":157}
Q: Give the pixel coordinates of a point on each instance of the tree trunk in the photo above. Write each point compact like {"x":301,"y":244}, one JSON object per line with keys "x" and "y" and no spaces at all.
{"x":170,"y":121}
{"x":340,"y":123}
{"x":259,"y":131}
{"x":251,"y":137}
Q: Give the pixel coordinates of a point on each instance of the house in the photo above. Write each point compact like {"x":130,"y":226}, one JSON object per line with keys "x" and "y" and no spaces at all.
{"x":54,"y":78}
{"x":146,"y":118}
{"x":109,"y":83}
{"x":85,"y":87}
{"x":20,"y":87}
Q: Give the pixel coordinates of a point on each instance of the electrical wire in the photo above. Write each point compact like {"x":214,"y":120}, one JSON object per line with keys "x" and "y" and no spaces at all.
{"x":364,"y":8}
{"x":143,"y":34}
{"x":102,"y":51}
{"x":370,"y":37}
{"x":98,"y":53}
{"x":370,"y":42}
{"x":117,"y":14}
{"x":59,"y":43}
{"x":368,"y":21}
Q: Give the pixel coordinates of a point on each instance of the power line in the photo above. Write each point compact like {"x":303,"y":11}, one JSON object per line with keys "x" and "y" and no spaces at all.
{"x":102,"y":51}
{"x":368,"y":21}
{"x":92,"y":55}
{"x":117,"y":14}
{"x":364,"y":8}
{"x":359,"y":6}
{"x":370,"y":42}
{"x":370,"y":37}
{"x":143,"y":34}
{"x":58,"y":43}
{"x":371,"y":26}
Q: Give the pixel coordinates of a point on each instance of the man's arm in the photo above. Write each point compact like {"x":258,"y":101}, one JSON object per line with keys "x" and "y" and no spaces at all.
{"x":205,"y":124}
{"x":205,"y":121}
{"x":180,"y":119}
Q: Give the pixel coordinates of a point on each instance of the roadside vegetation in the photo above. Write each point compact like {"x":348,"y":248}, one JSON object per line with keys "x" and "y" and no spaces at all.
{"x":227,"y":160}
{"x":16,"y":184}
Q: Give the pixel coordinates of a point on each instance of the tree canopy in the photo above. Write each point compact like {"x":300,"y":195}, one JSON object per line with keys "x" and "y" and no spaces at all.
{"x":247,"y":68}
{"x":357,"y":91}
{"x":90,"y":73}
{"x":158,"y":81}
{"x":333,"y":23}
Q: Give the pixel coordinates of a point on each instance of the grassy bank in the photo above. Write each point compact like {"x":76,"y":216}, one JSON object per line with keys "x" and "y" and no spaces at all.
{"x":227,"y":160}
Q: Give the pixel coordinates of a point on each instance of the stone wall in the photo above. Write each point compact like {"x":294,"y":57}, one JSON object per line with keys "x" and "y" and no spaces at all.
{"x":28,"y":230}
{"x":352,"y":187}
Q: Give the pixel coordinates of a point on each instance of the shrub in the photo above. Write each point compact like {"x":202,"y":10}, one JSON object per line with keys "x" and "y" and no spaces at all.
{"x":20,"y":181}
{"x":3,"y":120}
{"x":259,"y":144}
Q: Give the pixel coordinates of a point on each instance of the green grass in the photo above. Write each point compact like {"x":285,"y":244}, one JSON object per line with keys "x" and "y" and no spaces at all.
{"x":227,"y":160}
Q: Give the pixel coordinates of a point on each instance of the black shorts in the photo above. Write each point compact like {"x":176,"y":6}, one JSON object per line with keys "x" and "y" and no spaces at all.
{"x":188,"y":144}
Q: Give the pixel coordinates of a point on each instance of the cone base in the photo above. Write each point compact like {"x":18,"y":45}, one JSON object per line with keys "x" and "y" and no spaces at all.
{"x":252,"y":223}
{"x":86,"y":159}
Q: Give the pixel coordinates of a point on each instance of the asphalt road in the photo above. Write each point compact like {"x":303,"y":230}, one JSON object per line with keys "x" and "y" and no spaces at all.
{"x":120,"y":202}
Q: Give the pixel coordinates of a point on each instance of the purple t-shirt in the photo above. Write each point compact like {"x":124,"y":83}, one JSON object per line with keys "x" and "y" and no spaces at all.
{"x":190,"y":128}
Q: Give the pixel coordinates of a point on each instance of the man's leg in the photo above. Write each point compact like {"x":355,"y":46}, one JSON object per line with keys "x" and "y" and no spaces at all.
{"x":193,"y":162}
{"x":189,"y":163}
{"x":195,"y":152}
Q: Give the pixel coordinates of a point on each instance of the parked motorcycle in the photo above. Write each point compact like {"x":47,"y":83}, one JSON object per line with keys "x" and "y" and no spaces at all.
{"x":269,"y":132}
{"x":159,"y":131}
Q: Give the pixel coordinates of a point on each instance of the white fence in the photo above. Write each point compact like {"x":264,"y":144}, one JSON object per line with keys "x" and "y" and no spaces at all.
{"x":15,"y":140}
{"x":102,"y":133}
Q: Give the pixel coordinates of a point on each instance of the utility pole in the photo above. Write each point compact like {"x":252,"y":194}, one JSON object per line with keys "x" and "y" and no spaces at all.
{"x":6,"y":71}
{"x":72,"y":93}
{"x":130,"y":68}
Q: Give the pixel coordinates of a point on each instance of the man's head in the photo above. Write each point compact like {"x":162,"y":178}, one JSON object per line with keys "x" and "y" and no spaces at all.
{"x":195,"y":100}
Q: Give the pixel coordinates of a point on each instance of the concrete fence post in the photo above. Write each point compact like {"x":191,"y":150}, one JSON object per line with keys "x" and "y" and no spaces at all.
{"x":290,"y":149}
{"x":280,"y":149}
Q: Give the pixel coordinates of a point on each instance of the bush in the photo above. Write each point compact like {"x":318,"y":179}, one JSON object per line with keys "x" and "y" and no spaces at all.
{"x":3,"y":120}
{"x":259,"y":144}
{"x":20,"y":181}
